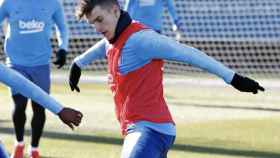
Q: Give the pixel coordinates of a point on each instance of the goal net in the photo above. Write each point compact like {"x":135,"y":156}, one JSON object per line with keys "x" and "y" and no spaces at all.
{"x":242,"y":34}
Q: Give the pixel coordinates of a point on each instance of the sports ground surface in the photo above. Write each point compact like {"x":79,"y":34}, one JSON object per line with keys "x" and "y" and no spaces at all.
{"x":213,"y":121}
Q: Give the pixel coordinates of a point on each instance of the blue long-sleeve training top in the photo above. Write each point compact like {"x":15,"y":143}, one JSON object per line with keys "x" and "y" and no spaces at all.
{"x":30,"y":24}
{"x":150,"y":12}
{"x":16,"y":81}
{"x":146,"y":45}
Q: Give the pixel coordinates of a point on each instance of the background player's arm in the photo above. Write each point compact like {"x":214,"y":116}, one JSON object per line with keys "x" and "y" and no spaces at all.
{"x":62,"y":36}
{"x":62,"y":32}
{"x":3,"y":15}
{"x":174,"y":16}
{"x":3,"y":10}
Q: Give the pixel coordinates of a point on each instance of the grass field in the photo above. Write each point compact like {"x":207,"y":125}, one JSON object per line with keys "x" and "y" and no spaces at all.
{"x":212,"y":122}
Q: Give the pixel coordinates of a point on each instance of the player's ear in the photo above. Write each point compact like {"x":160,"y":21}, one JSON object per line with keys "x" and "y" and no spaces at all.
{"x":116,"y":10}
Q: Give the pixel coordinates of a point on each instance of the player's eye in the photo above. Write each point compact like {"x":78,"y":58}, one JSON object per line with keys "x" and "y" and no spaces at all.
{"x":99,"y":19}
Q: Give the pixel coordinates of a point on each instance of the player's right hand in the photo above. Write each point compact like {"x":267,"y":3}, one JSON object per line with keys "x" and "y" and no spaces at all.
{"x":74,"y":77}
{"x":70,"y":117}
{"x":245,"y":84}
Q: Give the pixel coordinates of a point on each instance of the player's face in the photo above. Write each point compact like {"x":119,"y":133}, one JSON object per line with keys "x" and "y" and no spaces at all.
{"x":105,"y":20}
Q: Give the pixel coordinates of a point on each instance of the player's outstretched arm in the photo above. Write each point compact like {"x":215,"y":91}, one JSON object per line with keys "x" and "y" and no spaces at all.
{"x":97,"y":51}
{"x":19,"y":83}
{"x":155,"y":46}
{"x":245,"y":84}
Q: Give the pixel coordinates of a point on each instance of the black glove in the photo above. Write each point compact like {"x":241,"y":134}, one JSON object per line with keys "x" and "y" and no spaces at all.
{"x":245,"y":84}
{"x":60,"y":58}
{"x":74,"y":77}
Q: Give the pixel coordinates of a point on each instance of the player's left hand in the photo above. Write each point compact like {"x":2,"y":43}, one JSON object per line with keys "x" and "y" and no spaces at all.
{"x":60,"y":58}
{"x":70,"y":117}
{"x":245,"y":84}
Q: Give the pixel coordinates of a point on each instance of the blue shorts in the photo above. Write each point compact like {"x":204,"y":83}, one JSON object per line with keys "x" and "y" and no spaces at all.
{"x":145,"y":142}
{"x":39,"y":75}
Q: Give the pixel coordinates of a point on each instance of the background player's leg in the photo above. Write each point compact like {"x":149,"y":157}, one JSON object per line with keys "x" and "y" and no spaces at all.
{"x":37,"y":123}
{"x":19,"y":119}
{"x":19,"y":116}
{"x":41,"y":77}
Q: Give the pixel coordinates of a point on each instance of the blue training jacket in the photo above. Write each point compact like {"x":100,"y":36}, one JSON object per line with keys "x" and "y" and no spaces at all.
{"x":150,"y":12}
{"x":30,"y":24}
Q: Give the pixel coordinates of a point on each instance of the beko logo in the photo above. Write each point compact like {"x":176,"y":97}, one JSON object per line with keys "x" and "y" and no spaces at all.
{"x":32,"y":26}
{"x":147,"y":3}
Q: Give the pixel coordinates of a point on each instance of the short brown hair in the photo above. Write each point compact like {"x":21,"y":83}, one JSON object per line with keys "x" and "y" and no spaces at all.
{"x":86,"y":6}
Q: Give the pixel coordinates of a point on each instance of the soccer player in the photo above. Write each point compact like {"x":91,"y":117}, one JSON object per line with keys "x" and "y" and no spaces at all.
{"x":150,"y":12}
{"x":28,"y":49}
{"x":135,"y":56}
{"x":20,"y":84}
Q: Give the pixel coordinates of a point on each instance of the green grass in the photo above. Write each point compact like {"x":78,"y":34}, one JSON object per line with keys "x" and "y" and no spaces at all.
{"x":242,"y":138}
{"x":99,"y":135}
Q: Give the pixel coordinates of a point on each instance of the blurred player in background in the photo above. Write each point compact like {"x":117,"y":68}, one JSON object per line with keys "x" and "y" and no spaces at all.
{"x":150,"y":13}
{"x":28,"y":49}
{"x":20,"y":84}
{"x":135,"y":56}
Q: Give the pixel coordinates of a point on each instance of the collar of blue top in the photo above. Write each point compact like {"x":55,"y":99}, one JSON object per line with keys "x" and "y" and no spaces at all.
{"x":124,"y":21}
